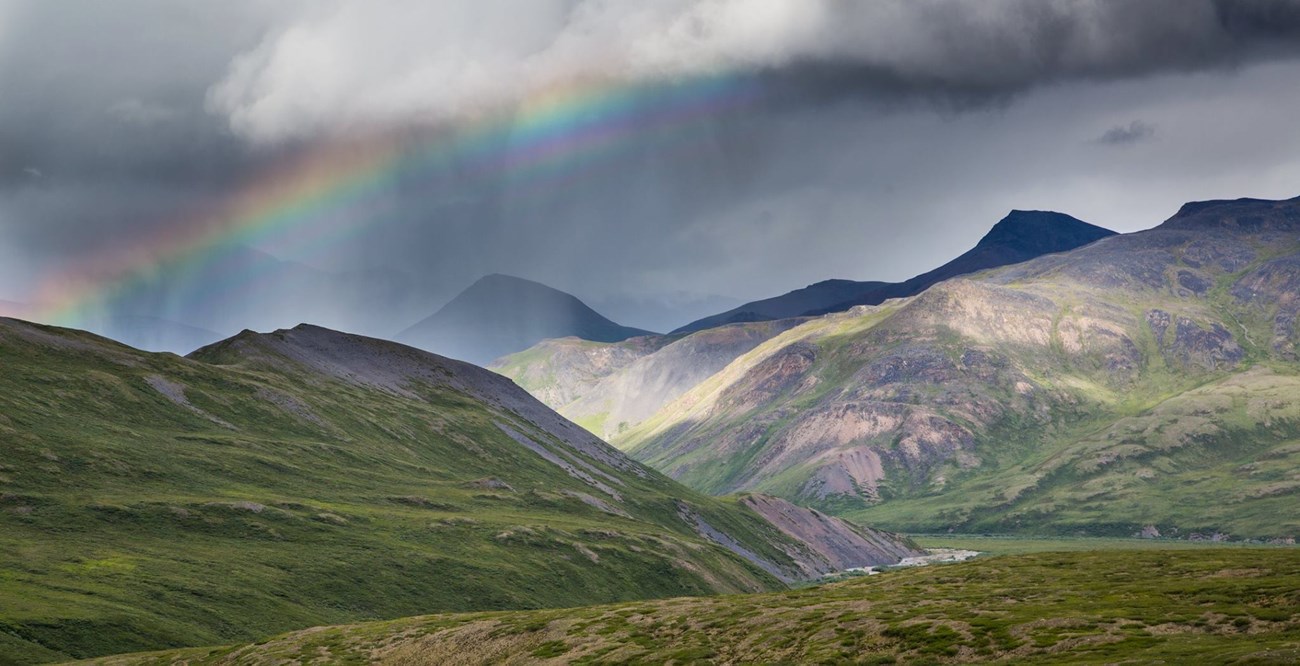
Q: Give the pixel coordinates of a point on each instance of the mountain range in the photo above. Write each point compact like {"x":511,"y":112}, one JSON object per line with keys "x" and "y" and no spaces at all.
{"x":278,"y":480}
{"x":639,"y":377}
{"x":1020,"y":236}
{"x":1141,"y":383}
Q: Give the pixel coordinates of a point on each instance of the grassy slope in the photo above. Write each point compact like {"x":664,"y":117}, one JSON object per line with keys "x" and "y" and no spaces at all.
{"x":130,"y":522}
{"x":1148,"y":606}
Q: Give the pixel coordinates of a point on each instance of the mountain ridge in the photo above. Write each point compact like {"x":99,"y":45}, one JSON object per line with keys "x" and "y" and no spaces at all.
{"x":1019,"y":236}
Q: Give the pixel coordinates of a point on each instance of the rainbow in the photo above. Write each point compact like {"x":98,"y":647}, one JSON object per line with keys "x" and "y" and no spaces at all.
{"x":553,"y":136}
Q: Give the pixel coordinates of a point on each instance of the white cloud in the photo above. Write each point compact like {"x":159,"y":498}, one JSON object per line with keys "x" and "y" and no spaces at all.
{"x":349,"y":64}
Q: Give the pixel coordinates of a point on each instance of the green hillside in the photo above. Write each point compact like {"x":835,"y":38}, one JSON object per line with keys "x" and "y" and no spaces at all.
{"x":303,"y":477}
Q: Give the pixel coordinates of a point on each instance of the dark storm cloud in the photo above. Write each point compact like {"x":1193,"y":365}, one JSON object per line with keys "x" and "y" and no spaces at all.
{"x":960,"y":55}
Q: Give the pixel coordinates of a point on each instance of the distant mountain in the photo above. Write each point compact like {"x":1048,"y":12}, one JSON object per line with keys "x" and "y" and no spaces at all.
{"x":500,"y":315}
{"x":1020,"y":236}
{"x":792,"y":304}
{"x":1145,"y":382}
{"x":305,"y":476}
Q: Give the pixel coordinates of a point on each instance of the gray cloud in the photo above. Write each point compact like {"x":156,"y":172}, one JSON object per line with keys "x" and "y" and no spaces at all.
{"x":356,"y":65}
{"x":1121,"y":135}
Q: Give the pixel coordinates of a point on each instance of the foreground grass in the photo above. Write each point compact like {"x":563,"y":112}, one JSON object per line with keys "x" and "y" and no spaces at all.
{"x":1207,"y":605}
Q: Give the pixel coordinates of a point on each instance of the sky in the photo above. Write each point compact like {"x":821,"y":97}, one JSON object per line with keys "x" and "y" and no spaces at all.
{"x":254,"y":164}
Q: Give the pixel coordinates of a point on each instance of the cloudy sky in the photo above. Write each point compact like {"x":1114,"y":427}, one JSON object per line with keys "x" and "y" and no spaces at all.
{"x":628,"y":152}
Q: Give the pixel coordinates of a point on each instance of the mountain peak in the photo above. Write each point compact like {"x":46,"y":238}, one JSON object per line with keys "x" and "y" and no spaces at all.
{"x":1042,"y":231}
{"x":503,"y":279}
{"x":501,"y":314}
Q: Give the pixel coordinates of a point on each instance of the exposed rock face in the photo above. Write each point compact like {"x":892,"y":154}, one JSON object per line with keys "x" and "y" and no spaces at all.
{"x":979,"y":387}
{"x":827,"y":544}
{"x":1208,"y":348}
{"x":841,"y":545}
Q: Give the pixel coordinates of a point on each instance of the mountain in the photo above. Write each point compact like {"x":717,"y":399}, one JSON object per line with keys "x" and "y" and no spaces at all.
{"x":500,"y":314}
{"x":792,"y":304}
{"x":612,"y":388}
{"x":1207,"y":606}
{"x":283,"y":480}
{"x":1020,"y":236}
{"x":1143,"y":381}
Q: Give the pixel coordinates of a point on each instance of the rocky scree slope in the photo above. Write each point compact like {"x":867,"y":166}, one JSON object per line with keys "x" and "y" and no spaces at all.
{"x":305,"y":476}
{"x":1148,"y":379}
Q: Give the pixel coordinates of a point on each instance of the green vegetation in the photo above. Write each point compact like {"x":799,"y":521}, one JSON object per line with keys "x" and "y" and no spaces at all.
{"x":1207,"y":605}
{"x":150,"y":501}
